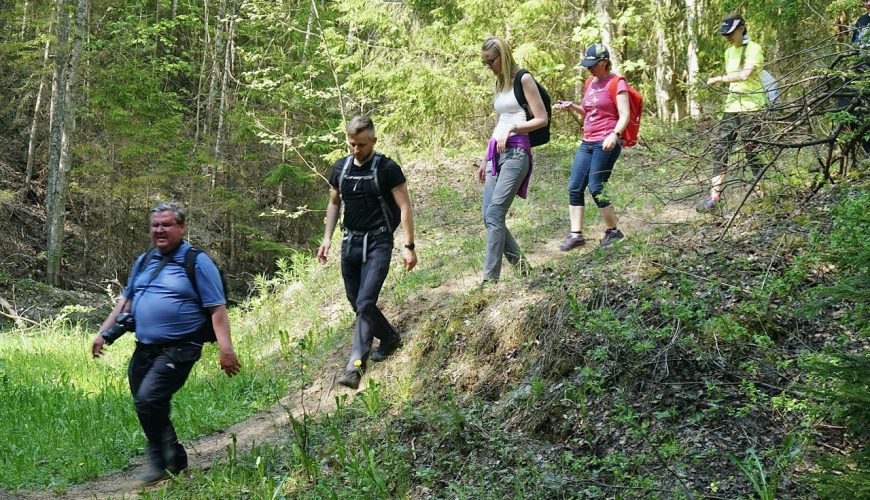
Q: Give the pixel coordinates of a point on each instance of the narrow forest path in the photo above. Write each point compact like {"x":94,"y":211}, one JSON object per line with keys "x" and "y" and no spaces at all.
{"x":318,"y":398}
{"x":263,"y":428}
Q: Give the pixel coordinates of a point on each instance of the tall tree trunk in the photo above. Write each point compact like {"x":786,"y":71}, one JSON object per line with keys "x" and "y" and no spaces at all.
{"x":63,"y":128}
{"x":56,"y":117}
{"x":24,"y":19}
{"x":341,"y":106}
{"x":280,"y":201}
{"x":605,"y":28}
{"x":31,"y":143}
{"x":308,"y":28}
{"x":664,"y":64}
{"x":215,"y":69}
{"x":206,"y":37}
{"x":693,"y":13}
{"x":223,"y":99}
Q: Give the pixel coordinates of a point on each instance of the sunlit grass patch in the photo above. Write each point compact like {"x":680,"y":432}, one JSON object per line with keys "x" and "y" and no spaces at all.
{"x":67,"y":418}
{"x":70,"y":418}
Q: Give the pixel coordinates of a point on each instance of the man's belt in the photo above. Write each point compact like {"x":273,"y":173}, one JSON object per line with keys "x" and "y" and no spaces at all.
{"x":350,"y":234}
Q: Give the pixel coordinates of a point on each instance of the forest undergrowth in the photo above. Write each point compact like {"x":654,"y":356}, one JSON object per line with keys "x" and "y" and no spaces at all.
{"x":674,"y":364}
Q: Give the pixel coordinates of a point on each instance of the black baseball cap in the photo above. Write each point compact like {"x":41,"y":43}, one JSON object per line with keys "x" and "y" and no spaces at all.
{"x":731,"y":23}
{"x":595,"y":53}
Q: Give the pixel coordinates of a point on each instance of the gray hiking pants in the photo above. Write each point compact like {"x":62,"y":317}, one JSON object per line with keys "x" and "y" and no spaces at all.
{"x":498,"y":194}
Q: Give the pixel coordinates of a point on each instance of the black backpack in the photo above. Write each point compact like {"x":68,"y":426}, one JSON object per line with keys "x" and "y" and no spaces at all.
{"x":206,"y":331}
{"x":541,"y":135}
{"x":388,"y":219}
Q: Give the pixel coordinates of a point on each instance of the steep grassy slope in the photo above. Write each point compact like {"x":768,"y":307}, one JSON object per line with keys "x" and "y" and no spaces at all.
{"x":673,"y":365}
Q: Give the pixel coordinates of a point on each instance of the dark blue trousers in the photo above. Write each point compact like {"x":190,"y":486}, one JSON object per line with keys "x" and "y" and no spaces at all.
{"x":362,"y":285}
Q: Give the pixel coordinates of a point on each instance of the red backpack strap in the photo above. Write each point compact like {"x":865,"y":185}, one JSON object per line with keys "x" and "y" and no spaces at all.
{"x":612,"y":87}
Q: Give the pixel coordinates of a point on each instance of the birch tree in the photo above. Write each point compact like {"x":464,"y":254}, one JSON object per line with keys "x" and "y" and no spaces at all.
{"x":63,"y":125}
{"x":37,"y":106}
{"x":605,"y":28}
{"x":664,"y":63}
{"x":693,"y":13}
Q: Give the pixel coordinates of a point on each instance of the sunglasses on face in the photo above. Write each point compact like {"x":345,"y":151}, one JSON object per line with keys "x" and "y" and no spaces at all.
{"x":489,"y":62}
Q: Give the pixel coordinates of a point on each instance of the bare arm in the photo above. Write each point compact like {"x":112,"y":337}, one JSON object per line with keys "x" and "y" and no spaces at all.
{"x":536,"y":106}
{"x":749,"y":66}
{"x":332,"y":210}
{"x":221,"y":324}
{"x":573,"y":106}
{"x":123,"y":305}
{"x":481,"y":171}
{"x":623,"y":106}
{"x":739,"y":76}
{"x":403,"y":200}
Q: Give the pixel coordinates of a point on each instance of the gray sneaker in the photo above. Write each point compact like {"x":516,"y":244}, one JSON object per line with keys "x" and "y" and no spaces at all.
{"x":611,"y":236}
{"x":572,"y":241}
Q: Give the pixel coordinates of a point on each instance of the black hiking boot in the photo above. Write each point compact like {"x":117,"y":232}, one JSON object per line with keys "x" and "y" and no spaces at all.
{"x":384,"y":351}
{"x":174,"y":455}
{"x":350,"y":378}
{"x":155,"y":472}
{"x":611,"y":236}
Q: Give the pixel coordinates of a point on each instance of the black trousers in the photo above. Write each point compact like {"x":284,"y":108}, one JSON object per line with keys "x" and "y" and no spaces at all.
{"x":362,"y":285}
{"x":748,"y":126}
{"x":156,"y":372}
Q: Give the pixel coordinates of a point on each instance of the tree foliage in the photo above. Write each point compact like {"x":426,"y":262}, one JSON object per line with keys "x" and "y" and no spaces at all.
{"x":236,"y":106}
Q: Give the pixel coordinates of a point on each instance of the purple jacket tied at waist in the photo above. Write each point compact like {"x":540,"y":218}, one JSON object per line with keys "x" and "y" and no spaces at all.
{"x":515,"y":141}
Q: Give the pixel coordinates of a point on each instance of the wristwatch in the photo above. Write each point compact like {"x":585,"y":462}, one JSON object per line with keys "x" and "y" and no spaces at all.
{"x":618,"y":134}
{"x":410,"y":246}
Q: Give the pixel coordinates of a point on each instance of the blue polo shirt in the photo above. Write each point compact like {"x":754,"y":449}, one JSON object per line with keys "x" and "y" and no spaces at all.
{"x":166,"y":308}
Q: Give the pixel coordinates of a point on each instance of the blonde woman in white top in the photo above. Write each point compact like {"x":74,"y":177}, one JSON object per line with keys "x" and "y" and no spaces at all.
{"x":507,"y":165}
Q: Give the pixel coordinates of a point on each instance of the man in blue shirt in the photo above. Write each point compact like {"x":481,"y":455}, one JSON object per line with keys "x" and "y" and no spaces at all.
{"x":170,"y":316}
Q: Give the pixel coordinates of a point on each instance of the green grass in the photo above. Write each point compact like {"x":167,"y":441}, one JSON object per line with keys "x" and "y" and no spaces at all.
{"x":73,"y":417}
{"x":67,"y":418}
{"x":630,"y":372}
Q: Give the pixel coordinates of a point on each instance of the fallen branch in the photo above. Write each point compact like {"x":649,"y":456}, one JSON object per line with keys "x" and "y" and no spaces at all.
{"x":10,"y":312}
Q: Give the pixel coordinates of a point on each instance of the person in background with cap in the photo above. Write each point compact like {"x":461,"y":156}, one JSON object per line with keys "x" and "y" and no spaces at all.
{"x":746,"y":96}
{"x":860,"y":40}
{"x":861,"y":31}
{"x":603,"y":123}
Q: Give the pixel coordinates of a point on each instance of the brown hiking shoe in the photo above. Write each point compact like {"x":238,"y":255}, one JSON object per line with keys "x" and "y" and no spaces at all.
{"x":573,"y":240}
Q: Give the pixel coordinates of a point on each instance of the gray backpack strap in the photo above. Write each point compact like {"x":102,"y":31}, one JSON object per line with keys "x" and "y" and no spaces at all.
{"x":384,"y":208}
{"x":344,"y":171}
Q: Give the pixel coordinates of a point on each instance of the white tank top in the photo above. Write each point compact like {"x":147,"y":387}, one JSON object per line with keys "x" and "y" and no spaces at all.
{"x":509,"y":111}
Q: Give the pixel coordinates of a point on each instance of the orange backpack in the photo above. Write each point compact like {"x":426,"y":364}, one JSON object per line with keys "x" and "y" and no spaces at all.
{"x":635,"y":100}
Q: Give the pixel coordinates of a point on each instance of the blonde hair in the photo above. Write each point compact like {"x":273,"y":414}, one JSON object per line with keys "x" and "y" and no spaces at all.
{"x":509,"y":67}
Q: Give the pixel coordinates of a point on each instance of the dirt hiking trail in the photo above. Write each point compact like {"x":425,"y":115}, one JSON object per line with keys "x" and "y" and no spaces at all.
{"x":318,"y":398}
